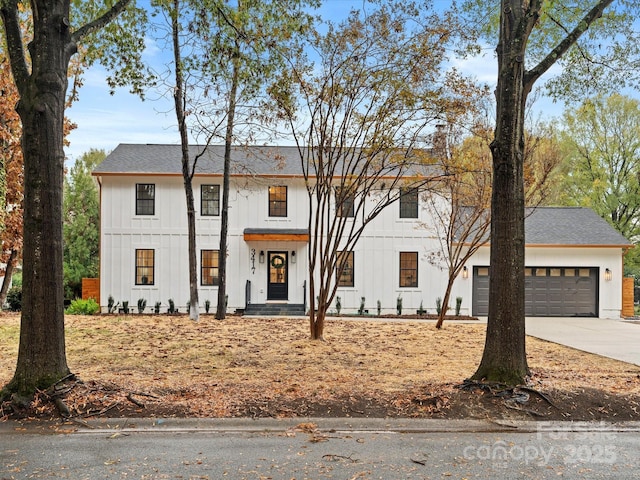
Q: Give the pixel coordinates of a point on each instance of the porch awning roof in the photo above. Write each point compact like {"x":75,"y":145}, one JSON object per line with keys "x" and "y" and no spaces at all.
{"x":276,"y":234}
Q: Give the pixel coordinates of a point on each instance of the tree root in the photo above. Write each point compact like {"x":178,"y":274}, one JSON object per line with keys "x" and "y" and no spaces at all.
{"x":509,"y":394}
{"x":540,"y":394}
{"x":135,"y":401}
{"x":524,"y":410}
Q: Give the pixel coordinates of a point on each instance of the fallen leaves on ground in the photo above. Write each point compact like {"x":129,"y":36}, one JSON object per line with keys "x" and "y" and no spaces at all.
{"x":146,"y":365}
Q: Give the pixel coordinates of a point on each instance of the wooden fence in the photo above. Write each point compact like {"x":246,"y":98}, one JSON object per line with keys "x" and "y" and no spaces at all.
{"x":627,"y":297}
{"x":91,"y":289}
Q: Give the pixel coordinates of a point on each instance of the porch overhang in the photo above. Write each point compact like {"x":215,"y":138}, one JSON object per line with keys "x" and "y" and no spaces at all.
{"x":276,"y":234}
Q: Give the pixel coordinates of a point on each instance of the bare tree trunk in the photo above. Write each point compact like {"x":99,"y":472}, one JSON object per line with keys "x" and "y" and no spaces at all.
{"x":317,"y":324}
{"x":187,"y":175}
{"x":445,"y":301}
{"x":42,"y":85}
{"x":224,"y":221}
{"x":42,"y":356}
{"x":316,"y":317}
{"x":504,"y":359}
{"x":8,"y":275}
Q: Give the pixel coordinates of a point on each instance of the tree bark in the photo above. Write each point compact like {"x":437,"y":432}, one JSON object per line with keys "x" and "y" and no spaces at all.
{"x":42,"y":85}
{"x":224,"y":221}
{"x":504,"y":359}
{"x":42,"y":356}
{"x":445,"y":300}
{"x":8,"y":275}
{"x":187,"y":176}
{"x":317,"y":324}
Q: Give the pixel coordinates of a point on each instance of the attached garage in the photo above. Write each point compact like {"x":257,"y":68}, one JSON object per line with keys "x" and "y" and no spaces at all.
{"x":549,"y":291}
{"x":574,"y":266}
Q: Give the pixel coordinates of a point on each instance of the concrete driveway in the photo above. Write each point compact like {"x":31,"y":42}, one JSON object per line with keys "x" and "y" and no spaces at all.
{"x":616,"y":339}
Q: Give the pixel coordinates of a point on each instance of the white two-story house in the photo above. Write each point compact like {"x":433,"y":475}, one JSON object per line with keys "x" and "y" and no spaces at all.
{"x":143,"y":250}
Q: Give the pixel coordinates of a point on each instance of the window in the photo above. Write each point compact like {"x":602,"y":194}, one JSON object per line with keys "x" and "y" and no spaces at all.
{"x":210,"y":200}
{"x":484,"y":271}
{"x":277,"y":201}
{"x":345,"y":262}
{"x":408,"y":203}
{"x":145,"y":266}
{"x":209,"y":267}
{"x":408,"y":269}
{"x":145,"y":199}
{"x":345,"y":201}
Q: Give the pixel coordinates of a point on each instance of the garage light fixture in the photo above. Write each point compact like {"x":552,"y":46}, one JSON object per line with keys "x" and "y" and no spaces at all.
{"x":465,"y":272}
{"x":608,"y":275}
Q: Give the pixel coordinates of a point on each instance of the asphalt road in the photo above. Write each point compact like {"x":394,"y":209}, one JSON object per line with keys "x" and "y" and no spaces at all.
{"x":374,"y":449}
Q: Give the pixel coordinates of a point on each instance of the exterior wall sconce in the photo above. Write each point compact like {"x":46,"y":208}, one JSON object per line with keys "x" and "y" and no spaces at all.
{"x":465,"y":272}
{"x":608,"y":275}
{"x":293,"y":256}
{"x":261,"y":256}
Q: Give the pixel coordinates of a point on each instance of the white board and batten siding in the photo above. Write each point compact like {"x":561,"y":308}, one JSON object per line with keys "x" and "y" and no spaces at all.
{"x":556,"y":238}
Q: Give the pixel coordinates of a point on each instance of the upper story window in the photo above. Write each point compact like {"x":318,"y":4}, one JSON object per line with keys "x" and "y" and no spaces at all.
{"x":278,"y":201}
{"x":408,"y":203}
{"x":210,"y":200}
{"x":145,"y":199}
{"x":345,"y":269}
{"x":408,"y":269}
{"x":209,"y":269}
{"x":345,"y":201}
{"x":145,"y":266}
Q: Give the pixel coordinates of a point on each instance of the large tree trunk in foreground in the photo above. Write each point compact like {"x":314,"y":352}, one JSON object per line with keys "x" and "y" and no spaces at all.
{"x":42,"y":85}
{"x":504,"y":359}
{"x":42,"y":357}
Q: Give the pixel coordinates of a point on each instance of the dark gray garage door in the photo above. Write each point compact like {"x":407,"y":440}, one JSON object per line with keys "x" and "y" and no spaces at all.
{"x":549,"y":291}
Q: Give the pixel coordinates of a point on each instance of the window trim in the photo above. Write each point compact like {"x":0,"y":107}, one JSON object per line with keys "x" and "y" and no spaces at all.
{"x":339,"y":277}
{"x":147,"y":201}
{"x":409,"y":200}
{"x":402,"y":278}
{"x":215,"y":201}
{"x":215,"y":268}
{"x":278,"y":203}
{"x":140,"y":270}
{"x":348,"y":204}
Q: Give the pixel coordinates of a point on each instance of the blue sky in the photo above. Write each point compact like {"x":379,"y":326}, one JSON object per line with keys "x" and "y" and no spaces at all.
{"x":106,"y":120}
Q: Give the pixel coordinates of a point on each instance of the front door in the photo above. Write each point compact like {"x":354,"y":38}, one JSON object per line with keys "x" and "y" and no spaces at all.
{"x":278,"y":286}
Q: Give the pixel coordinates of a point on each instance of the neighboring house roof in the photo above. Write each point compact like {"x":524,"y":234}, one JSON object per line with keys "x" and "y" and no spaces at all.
{"x":155,"y":159}
{"x":569,"y":226}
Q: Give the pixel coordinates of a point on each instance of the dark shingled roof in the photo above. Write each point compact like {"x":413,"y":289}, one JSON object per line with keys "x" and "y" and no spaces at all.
{"x":166,"y":159}
{"x":543,"y":226}
{"x":252,"y":160}
{"x":570,"y":226}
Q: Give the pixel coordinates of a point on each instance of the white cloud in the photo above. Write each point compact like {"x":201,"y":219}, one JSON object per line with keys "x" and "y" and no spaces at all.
{"x":106,"y":120}
{"x":482,"y":67}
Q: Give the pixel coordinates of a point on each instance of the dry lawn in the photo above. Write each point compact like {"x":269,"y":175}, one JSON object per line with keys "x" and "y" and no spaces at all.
{"x":168,"y":365}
